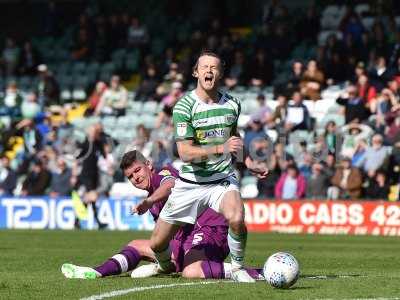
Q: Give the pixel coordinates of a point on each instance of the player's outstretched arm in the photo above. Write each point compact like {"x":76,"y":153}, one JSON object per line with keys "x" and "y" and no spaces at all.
{"x":160,"y":194}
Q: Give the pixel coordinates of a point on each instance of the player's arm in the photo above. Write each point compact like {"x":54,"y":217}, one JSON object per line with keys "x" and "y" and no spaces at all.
{"x":160,"y":194}
{"x":188,"y":152}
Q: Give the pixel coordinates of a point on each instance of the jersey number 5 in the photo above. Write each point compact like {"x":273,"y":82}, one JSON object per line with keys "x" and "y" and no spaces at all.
{"x":197,"y":238}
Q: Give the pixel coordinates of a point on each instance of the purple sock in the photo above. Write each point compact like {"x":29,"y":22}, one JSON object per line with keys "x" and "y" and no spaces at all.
{"x":255,"y":273}
{"x":124,"y":261}
{"x":212,"y":269}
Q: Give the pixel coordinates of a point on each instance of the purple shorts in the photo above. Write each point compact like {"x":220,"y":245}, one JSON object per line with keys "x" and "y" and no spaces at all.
{"x":210,"y":240}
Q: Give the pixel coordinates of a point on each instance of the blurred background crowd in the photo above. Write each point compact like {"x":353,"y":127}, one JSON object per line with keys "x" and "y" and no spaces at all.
{"x":319,"y":85}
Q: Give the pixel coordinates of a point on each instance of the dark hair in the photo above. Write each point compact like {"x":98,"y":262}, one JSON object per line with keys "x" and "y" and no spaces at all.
{"x":130,"y":157}
{"x":208,"y":53}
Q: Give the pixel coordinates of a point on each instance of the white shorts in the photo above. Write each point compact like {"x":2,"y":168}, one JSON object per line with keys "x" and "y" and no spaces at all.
{"x":188,"y":200}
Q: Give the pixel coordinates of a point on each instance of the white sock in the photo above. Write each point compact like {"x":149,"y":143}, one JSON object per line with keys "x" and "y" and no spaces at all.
{"x":227,"y":270}
{"x":237,"y":246}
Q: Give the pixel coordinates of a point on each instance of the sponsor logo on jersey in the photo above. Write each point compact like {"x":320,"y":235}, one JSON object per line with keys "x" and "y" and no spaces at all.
{"x":225,"y":183}
{"x":181,"y":129}
{"x":230,"y":119}
{"x":212,"y":133}
{"x":200,"y":122}
{"x":164,"y":173}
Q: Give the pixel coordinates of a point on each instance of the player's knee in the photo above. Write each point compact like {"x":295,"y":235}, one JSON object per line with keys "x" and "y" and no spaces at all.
{"x":192,"y":271}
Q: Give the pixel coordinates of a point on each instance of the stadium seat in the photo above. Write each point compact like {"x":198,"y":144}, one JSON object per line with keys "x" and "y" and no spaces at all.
{"x":149,"y":121}
{"x":108,"y":67}
{"x":66,"y":95}
{"x":93,"y":68}
{"x":368,"y":22}
{"x":79,"y":94}
{"x":78,"y":68}
{"x":362,"y":9}
{"x":136,"y":106}
{"x":150,"y":107}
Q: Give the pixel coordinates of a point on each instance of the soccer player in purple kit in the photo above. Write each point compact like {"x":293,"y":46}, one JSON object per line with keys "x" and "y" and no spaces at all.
{"x":198,"y":251}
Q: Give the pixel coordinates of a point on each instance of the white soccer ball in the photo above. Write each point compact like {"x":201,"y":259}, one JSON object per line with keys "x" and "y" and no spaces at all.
{"x":281,"y":270}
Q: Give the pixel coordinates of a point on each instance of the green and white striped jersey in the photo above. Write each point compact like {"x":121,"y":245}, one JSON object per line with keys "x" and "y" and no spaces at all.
{"x":206,"y":124}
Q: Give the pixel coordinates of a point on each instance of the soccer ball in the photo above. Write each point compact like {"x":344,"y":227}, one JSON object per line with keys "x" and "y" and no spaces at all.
{"x":281,"y":270}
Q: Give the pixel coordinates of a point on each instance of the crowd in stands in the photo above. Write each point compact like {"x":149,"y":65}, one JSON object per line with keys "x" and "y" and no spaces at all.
{"x":283,"y":64}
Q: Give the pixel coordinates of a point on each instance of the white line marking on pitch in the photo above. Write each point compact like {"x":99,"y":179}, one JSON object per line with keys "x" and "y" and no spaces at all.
{"x":379,"y":298}
{"x":144,"y":288}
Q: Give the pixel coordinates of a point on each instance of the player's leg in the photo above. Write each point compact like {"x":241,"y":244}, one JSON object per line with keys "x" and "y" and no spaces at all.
{"x":180,"y":209}
{"x":126,"y":260}
{"x":231,"y":207}
{"x":209,"y":269}
{"x":160,"y":244}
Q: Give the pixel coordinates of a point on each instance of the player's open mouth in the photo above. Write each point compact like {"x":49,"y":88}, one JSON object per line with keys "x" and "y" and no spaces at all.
{"x":208,"y":78}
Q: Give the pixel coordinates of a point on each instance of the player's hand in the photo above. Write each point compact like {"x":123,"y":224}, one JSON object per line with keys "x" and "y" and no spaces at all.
{"x":233,"y":145}
{"x":259,"y":169}
{"x":142,"y":207}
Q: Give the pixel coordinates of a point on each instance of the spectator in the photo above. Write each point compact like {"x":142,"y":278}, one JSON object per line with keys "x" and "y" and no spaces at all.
{"x":375,"y":155}
{"x":10,"y":105}
{"x":95,"y":97}
{"x":351,"y":25}
{"x":114,"y":100}
{"x":261,"y":70}
{"x":298,"y":117}
{"x":266,"y":186}
{"x":88,"y":179}
{"x":347,"y":182}
{"x":37,"y":181}
{"x":355,"y":110}
{"x":142,"y":142}
{"x":330,"y":135}
{"x":380,"y":74}
{"x":30,"y":107}
{"x":82,"y":49}
{"x":165,"y":116}
{"x":318,"y":182}
{"x":172,"y":76}
{"x":61,"y":180}
{"x":280,"y":110}
{"x":254,"y":134}
{"x":295,"y":76}
{"x":329,"y":165}
{"x":378,"y":188}
{"x":8,"y":177}
{"x":263,"y":114}
{"x":359,"y":153}
{"x":137,"y":34}
{"x":106,"y":165}
{"x":366,"y":91}
{"x":237,"y":74}
{"x":10,"y":57}
{"x":351,"y":134}
{"x":312,"y":81}
{"x":48,"y":89}
{"x":291,"y":185}
{"x":148,"y":86}
{"x":305,"y":168}
{"x":29,"y":60}
{"x":392,"y":120}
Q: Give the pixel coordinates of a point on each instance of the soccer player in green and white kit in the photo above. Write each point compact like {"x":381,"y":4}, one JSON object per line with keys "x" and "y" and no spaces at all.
{"x":205,"y":122}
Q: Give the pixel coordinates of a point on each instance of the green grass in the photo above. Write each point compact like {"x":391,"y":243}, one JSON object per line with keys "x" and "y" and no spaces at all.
{"x":30,"y":264}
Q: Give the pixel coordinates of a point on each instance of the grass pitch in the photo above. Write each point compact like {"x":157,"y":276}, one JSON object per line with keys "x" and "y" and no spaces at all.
{"x":332,"y":267}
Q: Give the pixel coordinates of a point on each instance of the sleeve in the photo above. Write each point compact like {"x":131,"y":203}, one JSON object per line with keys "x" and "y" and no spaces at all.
{"x":183,"y":128}
{"x":239,"y":109}
{"x":165,"y":175}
